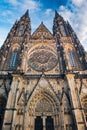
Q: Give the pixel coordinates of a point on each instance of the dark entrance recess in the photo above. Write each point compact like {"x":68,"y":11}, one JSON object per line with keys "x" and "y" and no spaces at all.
{"x":2,"y":109}
{"x":49,"y":123}
{"x":38,"y":123}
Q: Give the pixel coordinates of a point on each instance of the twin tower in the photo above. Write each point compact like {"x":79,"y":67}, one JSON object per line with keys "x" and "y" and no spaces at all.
{"x":43,"y":78}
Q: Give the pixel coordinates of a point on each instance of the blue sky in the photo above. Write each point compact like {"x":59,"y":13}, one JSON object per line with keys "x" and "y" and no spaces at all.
{"x":43,"y":10}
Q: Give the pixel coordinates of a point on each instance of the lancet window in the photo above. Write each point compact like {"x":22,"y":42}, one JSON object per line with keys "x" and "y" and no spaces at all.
{"x":13,"y":59}
{"x":71,"y":58}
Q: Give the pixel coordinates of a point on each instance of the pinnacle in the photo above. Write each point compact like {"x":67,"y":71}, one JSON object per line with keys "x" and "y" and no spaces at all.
{"x":56,"y":14}
{"x":26,"y":13}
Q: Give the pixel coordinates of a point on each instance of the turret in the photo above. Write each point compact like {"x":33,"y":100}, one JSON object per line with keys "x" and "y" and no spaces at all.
{"x":18,"y":36}
{"x":24,"y":26}
{"x":59,"y":25}
{"x":70,"y":51}
{"x":58,"y":32}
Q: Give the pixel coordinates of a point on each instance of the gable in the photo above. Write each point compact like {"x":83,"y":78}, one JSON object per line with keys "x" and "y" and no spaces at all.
{"x":42,"y":33}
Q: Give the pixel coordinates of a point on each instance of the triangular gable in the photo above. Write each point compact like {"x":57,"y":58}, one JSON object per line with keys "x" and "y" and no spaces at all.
{"x":42,"y":32}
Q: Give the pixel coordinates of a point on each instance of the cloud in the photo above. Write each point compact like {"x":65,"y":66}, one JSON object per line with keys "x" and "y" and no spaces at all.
{"x":78,"y":2}
{"x":30,"y":4}
{"x":13,"y":2}
{"x":7,"y":12}
{"x":48,"y":11}
{"x":24,"y":4}
{"x":7,"y":17}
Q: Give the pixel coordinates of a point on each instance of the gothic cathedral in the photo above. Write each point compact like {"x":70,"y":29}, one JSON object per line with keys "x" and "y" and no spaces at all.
{"x":43,"y":78}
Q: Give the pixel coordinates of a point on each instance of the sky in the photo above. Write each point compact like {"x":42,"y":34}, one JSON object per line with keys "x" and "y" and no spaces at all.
{"x":43,"y":10}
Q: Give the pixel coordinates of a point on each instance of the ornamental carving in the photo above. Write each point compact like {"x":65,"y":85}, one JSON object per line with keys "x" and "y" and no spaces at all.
{"x":42,"y":58}
{"x":43,"y":106}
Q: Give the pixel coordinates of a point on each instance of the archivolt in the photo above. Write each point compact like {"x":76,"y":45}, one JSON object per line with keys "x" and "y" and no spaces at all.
{"x":43,"y":96}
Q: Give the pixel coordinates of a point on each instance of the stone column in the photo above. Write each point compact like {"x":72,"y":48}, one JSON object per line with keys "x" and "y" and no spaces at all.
{"x":61,"y":119}
{"x":54,"y":122}
{"x":57,"y":122}
{"x":44,"y":123}
{"x":8,"y":118}
{"x":78,"y":113}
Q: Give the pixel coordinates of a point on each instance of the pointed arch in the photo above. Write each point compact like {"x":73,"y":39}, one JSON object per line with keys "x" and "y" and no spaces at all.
{"x":43,"y":96}
{"x":15,"y":59}
{"x":67,"y":96}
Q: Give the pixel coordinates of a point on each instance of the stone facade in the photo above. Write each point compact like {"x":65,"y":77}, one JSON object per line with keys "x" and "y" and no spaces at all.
{"x":43,"y":78}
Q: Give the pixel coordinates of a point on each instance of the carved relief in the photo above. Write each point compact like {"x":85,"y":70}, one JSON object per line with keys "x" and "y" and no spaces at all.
{"x":43,"y":106}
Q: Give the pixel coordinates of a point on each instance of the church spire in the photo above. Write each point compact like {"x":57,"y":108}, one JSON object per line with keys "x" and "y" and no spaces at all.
{"x":56,"y":13}
{"x":26,"y":15}
{"x":58,"y":24}
{"x":58,"y":16}
{"x":24,"y":24}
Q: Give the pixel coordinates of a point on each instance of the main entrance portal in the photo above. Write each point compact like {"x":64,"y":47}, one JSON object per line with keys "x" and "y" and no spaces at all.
{"x":41,"y":124}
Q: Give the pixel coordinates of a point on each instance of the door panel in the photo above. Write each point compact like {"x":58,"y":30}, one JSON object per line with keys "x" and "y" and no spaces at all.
{"x":38,"y":123}
{"x":49,"y":123}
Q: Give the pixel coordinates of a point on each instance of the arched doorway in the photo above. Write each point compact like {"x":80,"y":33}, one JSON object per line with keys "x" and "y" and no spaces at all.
{"x":45,"y":111}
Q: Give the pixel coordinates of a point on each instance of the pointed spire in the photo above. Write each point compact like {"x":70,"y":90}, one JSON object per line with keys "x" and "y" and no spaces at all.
{"x":27,"y":13}
{"x":57,"y":15}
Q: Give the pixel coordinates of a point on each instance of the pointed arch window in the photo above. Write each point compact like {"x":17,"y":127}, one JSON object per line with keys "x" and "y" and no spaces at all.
{"x":13,"y":59}
{"x":20,"y":30}
{"x":71,"y":58}
{"x":62,"y":30}
{"x":21,"y":27}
